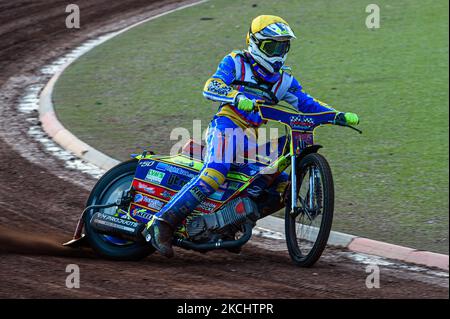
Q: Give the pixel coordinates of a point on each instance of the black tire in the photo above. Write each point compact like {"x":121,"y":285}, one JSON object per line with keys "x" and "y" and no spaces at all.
{"x":131,"y":251}
{"x":327,"y":208}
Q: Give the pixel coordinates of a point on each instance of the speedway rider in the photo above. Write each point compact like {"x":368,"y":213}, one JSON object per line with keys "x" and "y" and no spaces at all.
{"x":243,"y":80}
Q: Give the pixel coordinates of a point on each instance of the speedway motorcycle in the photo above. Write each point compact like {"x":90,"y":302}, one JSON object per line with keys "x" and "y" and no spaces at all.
{"x":125,"y":198}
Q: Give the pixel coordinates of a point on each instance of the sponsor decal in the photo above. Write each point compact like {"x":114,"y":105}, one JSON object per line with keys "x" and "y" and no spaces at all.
{"x":233,"y":186}
{"x":230,"y":185}
{"x":146,"y":188}
{"x":118,"y":220}
{"x":162,"y":166}
{"x":307,"y":138}
{"x":219,"y":88}
{"x":173,"y":169}
{"x":141,"y":212}
{"x":152,"y":189}
{"x":149,"y":202}
{"x":153,"y":203}
{"x":207,"y":206}
{"x":301,"y":122}
{"x":154,"y":176}
{"x":166,"y":194}
{"x":217,"y":195}
{"x":184,"y":162}
{"x":197,"y":193}
{"x":138,"y":198}
{"x":224,"y":186}
{"x":146,"y":163}
{"x":175,"y":180}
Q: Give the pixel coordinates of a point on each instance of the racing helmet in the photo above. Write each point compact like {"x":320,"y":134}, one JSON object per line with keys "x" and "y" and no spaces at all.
{"x":269,"y":40}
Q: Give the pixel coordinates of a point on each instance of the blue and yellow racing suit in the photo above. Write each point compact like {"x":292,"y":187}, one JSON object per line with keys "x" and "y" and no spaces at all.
{"x":236,"y":75}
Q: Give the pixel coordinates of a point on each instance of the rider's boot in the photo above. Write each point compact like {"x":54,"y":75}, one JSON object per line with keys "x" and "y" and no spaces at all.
{"x":162,"y":227}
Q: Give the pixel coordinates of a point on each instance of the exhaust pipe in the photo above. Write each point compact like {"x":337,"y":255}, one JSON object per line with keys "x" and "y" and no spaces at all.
{"x":136,"y":231}
{"x":118,"y":227}
{"x":226,"y":244}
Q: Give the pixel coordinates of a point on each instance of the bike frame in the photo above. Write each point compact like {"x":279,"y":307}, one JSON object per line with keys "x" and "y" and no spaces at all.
{"x":300,"y":127}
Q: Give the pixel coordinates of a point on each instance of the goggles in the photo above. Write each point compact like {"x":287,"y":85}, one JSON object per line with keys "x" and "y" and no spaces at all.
{"x":274,"y":48}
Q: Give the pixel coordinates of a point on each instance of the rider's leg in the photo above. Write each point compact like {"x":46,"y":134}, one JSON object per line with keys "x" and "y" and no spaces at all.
{"x":164,"y":223}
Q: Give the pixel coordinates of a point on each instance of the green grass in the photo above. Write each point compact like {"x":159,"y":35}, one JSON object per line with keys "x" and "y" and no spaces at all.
{"x":391,"y":182}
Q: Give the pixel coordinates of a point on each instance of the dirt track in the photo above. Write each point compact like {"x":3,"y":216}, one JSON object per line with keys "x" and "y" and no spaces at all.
{"x":40,"y":199}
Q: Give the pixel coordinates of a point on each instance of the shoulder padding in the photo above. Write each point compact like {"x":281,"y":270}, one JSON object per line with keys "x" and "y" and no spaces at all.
{"x":235,"y":53}
{"x":286,"y":69}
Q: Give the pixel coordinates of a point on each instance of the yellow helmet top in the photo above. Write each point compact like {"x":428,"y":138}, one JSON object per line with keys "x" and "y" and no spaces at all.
{"x":262,"y":21}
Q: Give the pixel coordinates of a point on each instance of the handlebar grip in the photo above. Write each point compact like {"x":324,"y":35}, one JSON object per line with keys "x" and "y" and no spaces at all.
{"x":340,"y":119}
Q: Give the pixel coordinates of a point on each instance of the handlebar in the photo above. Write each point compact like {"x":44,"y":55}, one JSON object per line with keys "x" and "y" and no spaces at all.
{"x":352,"y":127}
{"x":339,"y":120}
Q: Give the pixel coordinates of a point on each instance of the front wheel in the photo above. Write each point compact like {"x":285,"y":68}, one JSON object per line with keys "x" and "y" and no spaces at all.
{"x":308,"y":227}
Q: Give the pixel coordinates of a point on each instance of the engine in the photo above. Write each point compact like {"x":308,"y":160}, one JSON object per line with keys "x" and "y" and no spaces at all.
{"x":225,"y":221}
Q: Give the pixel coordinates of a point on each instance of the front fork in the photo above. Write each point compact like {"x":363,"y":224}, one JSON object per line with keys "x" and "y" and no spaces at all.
{"x":293,"y":184}
{"x":312,"y":181}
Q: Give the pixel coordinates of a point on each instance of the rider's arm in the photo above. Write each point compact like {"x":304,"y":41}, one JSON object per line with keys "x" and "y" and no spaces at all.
{"x":218,"y":88}
{"x":304,"y":102}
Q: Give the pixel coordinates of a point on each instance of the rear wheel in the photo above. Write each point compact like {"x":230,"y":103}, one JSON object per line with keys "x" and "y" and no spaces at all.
{"x":308,"y":228}
{"x":107,"y":190}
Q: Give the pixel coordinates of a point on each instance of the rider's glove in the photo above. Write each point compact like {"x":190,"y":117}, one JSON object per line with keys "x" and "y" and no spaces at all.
{"x":351,"y":118}
{"x":244,"y":104}
{"x":247,"y":105}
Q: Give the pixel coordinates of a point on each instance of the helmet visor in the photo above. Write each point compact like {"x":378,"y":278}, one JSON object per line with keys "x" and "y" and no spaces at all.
{"x":274,"y":48}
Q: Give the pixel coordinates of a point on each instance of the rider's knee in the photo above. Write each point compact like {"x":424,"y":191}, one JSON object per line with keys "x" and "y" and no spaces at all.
{"x":213,"y":176}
